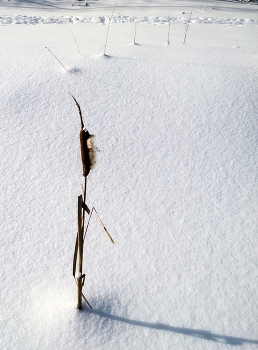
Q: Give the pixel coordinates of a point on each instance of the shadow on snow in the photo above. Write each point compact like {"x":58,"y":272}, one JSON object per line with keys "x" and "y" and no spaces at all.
{"x":198,"y":333}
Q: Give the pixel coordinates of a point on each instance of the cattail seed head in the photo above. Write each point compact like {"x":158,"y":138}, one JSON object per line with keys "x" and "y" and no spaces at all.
{"x":87,"y":151}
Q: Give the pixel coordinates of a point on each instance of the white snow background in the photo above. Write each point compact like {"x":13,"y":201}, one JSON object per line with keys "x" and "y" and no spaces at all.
{"x":175,"y":181}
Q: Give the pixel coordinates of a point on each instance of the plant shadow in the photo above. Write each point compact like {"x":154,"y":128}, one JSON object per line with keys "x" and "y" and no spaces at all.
{"x":197,"y":333}
{"x":107,"y":56}
{"x":75,"y":71}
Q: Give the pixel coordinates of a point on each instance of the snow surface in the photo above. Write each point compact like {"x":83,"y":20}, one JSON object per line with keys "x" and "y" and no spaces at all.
{"x":175,"y":181}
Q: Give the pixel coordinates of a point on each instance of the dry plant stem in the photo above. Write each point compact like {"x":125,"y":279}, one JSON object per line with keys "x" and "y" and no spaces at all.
{"x":84,"y":202}
{"x":57,"y":59}
{"x":79,"y":108}
{"x":169,"y":33}
{"x":80,"y":255}
{"x":75,"y":255}
{"x":81,"y":218}
{"x":110,"y":19}
{"x":105,"y":229}
{"x":186,"y":29}
{"x":135,"y":34}
{"x":190,"y":17}
{"x":76,"y":44}
{"x":109,"y":236}
{"x":87,"y":301}
{"x":86,"y":229}
{"x":187,"y":25}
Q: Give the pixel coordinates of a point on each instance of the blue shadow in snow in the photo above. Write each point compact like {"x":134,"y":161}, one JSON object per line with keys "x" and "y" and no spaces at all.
{"x":198,"y":333}
{"x":75,"y":71}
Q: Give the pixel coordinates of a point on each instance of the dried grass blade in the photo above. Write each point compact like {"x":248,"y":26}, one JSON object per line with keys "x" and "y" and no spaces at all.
{"x":108,"y":234}
{"x":86,"y":301}
{"x":79,"y":108}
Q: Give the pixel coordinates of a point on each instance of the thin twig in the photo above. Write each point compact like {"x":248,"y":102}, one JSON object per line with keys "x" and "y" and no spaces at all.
{"x":86,"y":301}
{"x":186,"y":29}
{"x":134,"y":33}
{"x":190,"y":16}
{"x":104,"y":227}
{"x":101,"y":48}
{"x":86,"y":229}
{"x":110,"y":19}
{"x":76,"y":44}
{"x":187,"y":25}
{"x":57,"y":59}
{"x":109,"y":236}
{"x":169,"y":23}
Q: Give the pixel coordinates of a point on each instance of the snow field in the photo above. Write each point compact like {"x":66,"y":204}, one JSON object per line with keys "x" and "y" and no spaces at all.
{"x":175,"y":184}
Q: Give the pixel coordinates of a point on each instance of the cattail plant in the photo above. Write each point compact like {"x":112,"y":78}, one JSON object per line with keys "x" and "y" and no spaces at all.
{"x":88,"y":161}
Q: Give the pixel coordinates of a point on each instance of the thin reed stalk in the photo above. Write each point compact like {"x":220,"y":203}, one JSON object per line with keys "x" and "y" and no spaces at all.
{"x":168,"y":41}
{"x":190,"y":17}
{"x":187,"y":26}
{"x":77,"y":44}
{"x":135,"y":29}
{"x":79,"y":281}
{"x":102,"y":224}
{"x":110,"y":19}
{"x":57,"y":59}
{"x":186,"y":29}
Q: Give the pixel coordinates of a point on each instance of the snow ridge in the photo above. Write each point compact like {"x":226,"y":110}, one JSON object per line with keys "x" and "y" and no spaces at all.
{"x":32,"y":20}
